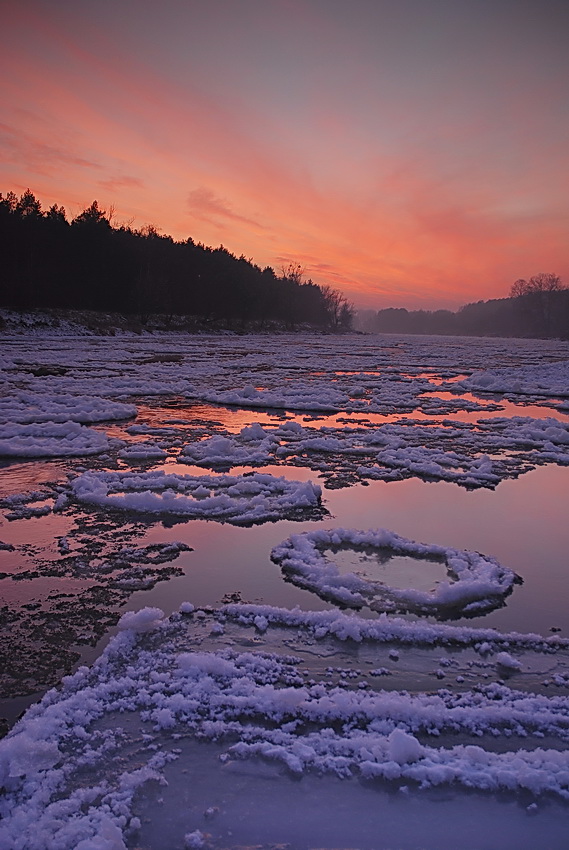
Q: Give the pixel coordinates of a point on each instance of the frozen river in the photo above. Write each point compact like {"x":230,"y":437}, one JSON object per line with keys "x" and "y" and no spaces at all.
{"x":341,"y":565}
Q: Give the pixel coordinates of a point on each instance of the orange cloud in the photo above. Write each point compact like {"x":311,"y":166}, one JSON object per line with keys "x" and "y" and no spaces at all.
{"x":394,"y":196}
{"x":205,"y":205}
{"x":123,"y":181}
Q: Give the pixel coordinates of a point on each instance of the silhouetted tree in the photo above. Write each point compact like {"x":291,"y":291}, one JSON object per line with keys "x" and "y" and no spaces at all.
{"x":339,"y":310}
{"x":28,"y":205}
{"x":542,"y":282}
{"x":536,"y":308}
{"x":536,"y":300}
{"x":92,"y":216}
{"x":91,"y":264}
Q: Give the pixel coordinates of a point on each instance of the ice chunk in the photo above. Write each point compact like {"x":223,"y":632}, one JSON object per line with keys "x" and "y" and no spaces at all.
{"x":141,"y":621}
{"x":504,"y":659}
{"x":404,"y":748}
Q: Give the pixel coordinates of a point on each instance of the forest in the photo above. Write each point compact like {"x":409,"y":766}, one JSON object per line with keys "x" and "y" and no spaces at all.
{"x":538,"y":308}
{"x":90,"y":264}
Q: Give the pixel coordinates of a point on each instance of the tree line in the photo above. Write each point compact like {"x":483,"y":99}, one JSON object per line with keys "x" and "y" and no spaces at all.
{"x":538,"y":307}
{"x":90,"y":264}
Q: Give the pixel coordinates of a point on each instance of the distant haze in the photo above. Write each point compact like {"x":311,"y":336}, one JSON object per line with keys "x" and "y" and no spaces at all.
{"x":411,"y":153}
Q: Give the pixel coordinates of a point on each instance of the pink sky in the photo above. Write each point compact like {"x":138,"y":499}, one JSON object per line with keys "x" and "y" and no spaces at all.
{"x":411,"y":153}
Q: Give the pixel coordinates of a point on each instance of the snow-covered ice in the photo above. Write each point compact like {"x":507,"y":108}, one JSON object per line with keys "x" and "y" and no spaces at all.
{"x":480,"y":583}
{"x":47,"y":439}
{"x":77,"y":770}
{"x":239,"y":499}
{"x":169,"y":737}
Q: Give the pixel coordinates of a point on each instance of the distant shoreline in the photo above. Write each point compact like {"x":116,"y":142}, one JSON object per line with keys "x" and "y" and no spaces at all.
{"x":103,"y":323}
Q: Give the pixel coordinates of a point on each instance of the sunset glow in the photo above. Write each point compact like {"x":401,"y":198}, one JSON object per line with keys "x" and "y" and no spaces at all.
{"x":409,"y":153}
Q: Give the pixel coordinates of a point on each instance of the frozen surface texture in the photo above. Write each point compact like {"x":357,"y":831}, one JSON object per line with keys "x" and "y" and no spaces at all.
{"x":362,"y":388}
{"x":84,"y":767}
{"x":139,"y":471}
{"x":239,"y":499}
{"x":479,"y":584}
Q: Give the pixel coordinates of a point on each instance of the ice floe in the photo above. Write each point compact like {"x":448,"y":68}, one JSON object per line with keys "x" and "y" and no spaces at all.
{"x":237,"y":499}
{"x":142,"y":451}
{"x":255,"y":447}
{"x":470,"y":455}
{"x":546,"y":380}
{"x":47,"y":439}
{"x":477,"y":582}
{"x":25,"y":407}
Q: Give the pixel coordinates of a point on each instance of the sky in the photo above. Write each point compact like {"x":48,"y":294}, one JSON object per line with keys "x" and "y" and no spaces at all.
{"x":411,"y":153}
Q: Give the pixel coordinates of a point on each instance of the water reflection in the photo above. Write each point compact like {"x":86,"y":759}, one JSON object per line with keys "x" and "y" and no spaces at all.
{"x":400,"y":571}
{"x":508,"y":408}
{"x":23,"y":476}
{"x":522,"y":524}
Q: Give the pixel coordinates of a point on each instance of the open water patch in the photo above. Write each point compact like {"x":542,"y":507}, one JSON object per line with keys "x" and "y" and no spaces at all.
{"x":387,"y":568}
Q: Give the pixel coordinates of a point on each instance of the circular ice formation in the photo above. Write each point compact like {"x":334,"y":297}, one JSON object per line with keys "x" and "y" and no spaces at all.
{"x":227,"y":498}
{"x":479,"y":582}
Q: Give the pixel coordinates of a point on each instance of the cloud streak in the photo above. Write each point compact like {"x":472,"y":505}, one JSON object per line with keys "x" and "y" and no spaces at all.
{"x":409,"y":158}
{"x":204,"y":204}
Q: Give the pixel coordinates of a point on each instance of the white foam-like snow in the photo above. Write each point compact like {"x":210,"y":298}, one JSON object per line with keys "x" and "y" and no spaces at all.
{"x":251,"y":447}
{"x":543,"y":379}
{"x":142,"y":451}
{"x":47,"y":439}
{"x":480,"y":582}
{"x":238,"y":499}
{"x":26,"y":408}
{"x":259,"y":704}
{"x":141,"y":621}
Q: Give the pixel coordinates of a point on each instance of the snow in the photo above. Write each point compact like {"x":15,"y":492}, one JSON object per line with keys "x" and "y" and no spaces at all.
{"x":194,"y":839}
{"x":47,"y":439}
{"x":387,"y":629}
{"x":504,"y":659}
{"x":225,"y":452}
{"x":480,"y":583}
{"x":545,"y":380}
{"x":237,"y":499}
{"x":67,"y":380}
{"x":141,"y":621}
{"x":404,"y":748}
{"x":142,"y":451}
{"x":258,"y":706}
{"x":26,"y":408}
{"x":381,"y":703}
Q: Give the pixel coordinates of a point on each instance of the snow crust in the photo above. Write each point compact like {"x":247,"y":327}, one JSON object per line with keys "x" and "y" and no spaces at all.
{"x":469,"y":455}
{"x":253,"y":446}
{"x":546,"y":379}
{"x":480,"y":582}
{"x":258,"y":703}
{"x":238,"y":499}
{"x":67,"y":380}
{"x":27,"y":408}
{"x":141,"y":621}
{"x":47,"y":439}
{"x":37,"y":425}
{"x":227,"y":675}
{"x":142,"y":451}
